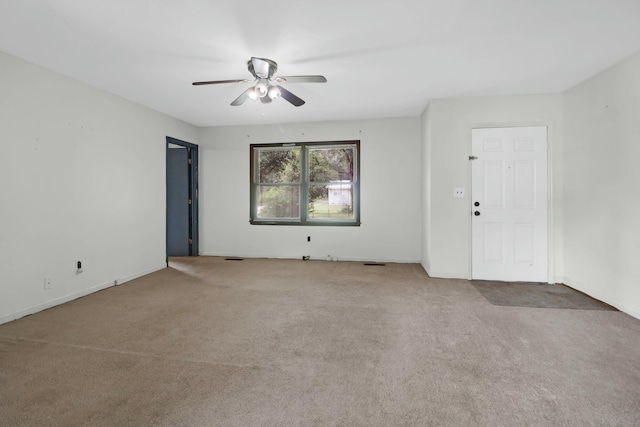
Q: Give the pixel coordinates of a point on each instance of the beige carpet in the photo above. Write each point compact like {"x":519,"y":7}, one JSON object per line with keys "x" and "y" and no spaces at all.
{"x":210,"y":342}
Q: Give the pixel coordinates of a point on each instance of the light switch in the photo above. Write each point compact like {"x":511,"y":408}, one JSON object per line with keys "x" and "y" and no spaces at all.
{"x":458,"y":192}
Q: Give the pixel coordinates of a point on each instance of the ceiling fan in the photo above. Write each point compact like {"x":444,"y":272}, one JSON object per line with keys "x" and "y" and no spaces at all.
{"x":265,"y":88}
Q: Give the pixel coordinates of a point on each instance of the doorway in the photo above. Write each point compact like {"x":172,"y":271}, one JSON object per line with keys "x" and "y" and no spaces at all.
{"x":509,"y":204}
{"x":182,"y":198}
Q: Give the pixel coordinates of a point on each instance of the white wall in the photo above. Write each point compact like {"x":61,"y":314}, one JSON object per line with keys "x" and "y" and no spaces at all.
{"x":390,"y":193}
{"x":446,"y":141}
{"x":82,"y":177}
{"x":602,"y":179}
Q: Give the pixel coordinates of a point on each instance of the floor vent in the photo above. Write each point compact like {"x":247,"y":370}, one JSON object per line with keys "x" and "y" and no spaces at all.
{"x":378,"y":264}
{"x":234,"y":259}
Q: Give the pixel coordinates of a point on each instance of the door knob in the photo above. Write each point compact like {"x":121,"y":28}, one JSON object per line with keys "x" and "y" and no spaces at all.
{"x":477,"y":213}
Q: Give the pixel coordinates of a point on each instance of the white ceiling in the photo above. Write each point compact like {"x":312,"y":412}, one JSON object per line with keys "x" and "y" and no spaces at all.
{"x":381,"y":58}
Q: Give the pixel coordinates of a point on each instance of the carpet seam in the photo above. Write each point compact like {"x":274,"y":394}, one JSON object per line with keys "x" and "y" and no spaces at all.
{"x":125,"y":352}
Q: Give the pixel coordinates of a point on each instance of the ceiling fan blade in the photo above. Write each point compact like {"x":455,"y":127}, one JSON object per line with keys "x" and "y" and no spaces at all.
{"x":240,"y":100}
{"x":290,"y":97}
{"x":301,"y":79}
{"x":215,"y":82}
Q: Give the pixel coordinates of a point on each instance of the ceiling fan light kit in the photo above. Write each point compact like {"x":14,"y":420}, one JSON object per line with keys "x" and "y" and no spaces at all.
{"x":274,"y":92}
{"x":263,"y":89}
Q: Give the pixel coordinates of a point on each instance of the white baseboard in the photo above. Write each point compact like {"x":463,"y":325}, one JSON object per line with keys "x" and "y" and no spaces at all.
{"x":630,"y":309}
{"x":444,"y":275}
{"x":64,"y":299}
{"x":144,"y":273}
{"x":314,"y":258}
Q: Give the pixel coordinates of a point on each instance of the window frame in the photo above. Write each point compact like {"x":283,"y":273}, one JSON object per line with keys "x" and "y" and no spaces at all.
{"x":304,"y":186}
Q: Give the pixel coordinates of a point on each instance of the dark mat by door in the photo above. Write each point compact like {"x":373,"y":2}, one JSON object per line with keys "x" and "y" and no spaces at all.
{"x":537,"y":295}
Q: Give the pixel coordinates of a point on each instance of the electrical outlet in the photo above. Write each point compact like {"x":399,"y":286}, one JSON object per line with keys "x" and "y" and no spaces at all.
{"x":458,"y":192}
{"x":47,"y":283}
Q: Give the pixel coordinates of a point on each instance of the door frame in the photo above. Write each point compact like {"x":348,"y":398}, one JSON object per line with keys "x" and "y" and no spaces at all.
{"x":551,"y":153}
{"x":194,"y":249}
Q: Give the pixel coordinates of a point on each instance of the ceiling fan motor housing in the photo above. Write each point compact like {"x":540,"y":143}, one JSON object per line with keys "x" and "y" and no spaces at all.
{"x":262,"y":68}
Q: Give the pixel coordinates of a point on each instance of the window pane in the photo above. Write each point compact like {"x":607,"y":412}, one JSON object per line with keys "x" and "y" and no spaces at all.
{"x":334,"y":201}
{"x":281,"y":201}
{"x":277,"y":165}
{"x":331,"y":164}
{"x":314,"y":183}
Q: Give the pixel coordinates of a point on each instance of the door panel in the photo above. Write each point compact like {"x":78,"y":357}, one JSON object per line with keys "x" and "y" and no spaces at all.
{"x":525,"y":184}
{"x":493,"y":233}
{"x":177,"y":202}
{"x":509,"y":186}
{"x":493,"y":185}
{"x":524,"y":249}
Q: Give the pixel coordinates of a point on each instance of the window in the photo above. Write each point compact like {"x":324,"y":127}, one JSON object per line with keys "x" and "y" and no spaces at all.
{"x":312,"y":183}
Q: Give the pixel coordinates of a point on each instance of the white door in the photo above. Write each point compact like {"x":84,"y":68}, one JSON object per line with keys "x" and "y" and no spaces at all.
{"x":509,"y":204}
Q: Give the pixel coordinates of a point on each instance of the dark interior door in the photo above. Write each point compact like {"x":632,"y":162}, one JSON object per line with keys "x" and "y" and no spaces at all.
{"x":178,"y":202}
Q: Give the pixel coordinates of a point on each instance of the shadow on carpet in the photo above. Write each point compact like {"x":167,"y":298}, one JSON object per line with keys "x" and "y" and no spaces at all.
{"x":537,"y":295}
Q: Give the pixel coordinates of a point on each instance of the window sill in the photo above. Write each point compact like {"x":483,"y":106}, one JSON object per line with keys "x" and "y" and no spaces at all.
{"x":308,"y":223}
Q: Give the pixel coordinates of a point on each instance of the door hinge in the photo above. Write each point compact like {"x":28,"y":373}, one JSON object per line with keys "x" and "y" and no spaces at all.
{"x":189,"y":160}
{"x":190,"y":241}
{"x":473,"y":158}
{"x":189,"y":202}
